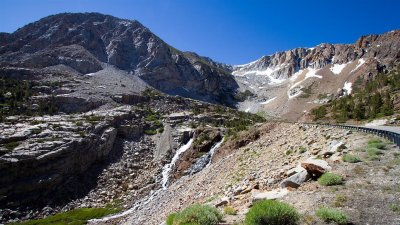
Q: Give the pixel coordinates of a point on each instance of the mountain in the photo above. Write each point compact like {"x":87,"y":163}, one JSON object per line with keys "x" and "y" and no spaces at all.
{"x":85,"y":128}
{"x":88,"y":42}
{"x":288,"y":83}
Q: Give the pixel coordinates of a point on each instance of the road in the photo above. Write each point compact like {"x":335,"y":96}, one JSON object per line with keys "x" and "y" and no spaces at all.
{"x":387,"y":128}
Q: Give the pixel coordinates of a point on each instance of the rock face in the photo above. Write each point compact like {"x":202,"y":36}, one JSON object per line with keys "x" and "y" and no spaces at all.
{"x":86,"y":42}
{"x":49,"y":154}
{"x":289,"y":84}
{"x":283,"y":65}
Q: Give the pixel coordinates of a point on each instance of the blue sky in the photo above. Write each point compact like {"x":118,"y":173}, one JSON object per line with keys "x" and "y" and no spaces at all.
{"x":229,"y":31}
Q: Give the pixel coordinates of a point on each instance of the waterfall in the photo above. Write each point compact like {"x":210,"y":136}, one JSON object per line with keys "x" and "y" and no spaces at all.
{"x":168,"y":167}
{"x":214,"y":149}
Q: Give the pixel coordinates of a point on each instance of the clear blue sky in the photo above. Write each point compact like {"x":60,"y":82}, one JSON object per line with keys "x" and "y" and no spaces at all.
{"x":229,"y":31}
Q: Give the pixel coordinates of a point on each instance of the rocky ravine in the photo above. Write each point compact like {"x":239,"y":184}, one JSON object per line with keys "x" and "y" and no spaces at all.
{"x":57,"y":163}
{"x":260,"y":169}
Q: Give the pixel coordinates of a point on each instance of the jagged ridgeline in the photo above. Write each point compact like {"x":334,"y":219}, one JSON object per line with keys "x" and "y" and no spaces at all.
{"x":373,"y":97}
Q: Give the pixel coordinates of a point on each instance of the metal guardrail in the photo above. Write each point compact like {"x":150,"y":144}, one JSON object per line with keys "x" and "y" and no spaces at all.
{"x":389,"y":135}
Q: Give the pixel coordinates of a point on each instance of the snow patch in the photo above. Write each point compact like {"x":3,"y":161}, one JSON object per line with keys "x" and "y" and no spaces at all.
{"x":296,"y":75}
{"x":247,"y":110}
{"x":312,"y":73}
{"x":347,"y":87}
{"x":337,"y":68}
{"x":268,"y":101}
{"x":125,"y":23}
{"x":245,"y":65}
{"x":267,"y":72}
{"x":360,"y":63}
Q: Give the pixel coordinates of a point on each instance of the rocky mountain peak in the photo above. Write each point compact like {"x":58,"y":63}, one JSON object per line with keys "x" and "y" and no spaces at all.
{"x":283,"y":65}
{"x":86,"y":42}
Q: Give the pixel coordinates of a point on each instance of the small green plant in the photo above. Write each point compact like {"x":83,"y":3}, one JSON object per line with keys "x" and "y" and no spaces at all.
{"x":78,"y":123}
{"x":228,"y":210}
{"x":82,"y":134}
{"x":376,"y":143}
{"x":395,"y":208}
{"x":150,"y":132}
{"x":332,"y":215}
{"x":340,"y":200}
{"x":329,"y":179}
{"x":36,"y":131}
{"x":273,"y":213}
{"x":11,"y":145}
{"x":195,"y":215}
{"x":75,"y":217}
{"x":302,"y":149}
{"x":170,"y":219}
{"x":350,"y":158}
{"x":373,"y":153}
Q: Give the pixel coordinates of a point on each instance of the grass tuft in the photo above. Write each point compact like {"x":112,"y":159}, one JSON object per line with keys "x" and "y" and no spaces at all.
{"x":332,"y":215}
{"x":75,"y":217}
{"x":329,"y":179}
{"x":350,"y":158}
{"x":195,"y":215}
{"x":229,"y":210}
{"x":273,"y":213}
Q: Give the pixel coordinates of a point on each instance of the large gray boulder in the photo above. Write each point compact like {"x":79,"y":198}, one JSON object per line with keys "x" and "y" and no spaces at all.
{"x":296,"y":180}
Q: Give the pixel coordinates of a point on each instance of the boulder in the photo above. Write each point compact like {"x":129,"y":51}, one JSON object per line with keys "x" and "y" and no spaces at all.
{"x":222,"y":201}
{"x":274,"y":194}
{"x":335,"y":146}
{"x":296,"y":180}
{"x":317,"y":167}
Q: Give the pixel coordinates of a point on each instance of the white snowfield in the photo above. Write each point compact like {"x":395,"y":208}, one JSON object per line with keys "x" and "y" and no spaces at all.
{"x":268,"y":101}
{"x":337,"y":68}
{"x":347,"y":87}
{"x":360,"y":63}
{"x":267,"y":72}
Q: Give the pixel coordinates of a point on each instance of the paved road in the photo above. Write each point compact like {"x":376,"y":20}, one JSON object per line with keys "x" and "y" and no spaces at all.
{"x":387,"y":128}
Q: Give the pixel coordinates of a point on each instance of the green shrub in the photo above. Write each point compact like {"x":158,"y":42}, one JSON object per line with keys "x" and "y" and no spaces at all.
{"x":196,"y":215}
{"x":11,"y":145}
{"x":273,"y":213}
{"x":170,"y":219}
{"x":395,"y":207}
{"x":373,"y":152}
{"x":332,"y":215}
{"x":75,"y":217}
{"x":351,"y":158}
{"x":376,"y":143}
{"x":229,"y":210}
{"x":150,"y":132}
{"x":329,"y":179}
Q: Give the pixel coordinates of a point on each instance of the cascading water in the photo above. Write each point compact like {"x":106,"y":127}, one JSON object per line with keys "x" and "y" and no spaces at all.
{"x":205,"y":160}
{"x":168,"y":167}
{"x":214,"y":149}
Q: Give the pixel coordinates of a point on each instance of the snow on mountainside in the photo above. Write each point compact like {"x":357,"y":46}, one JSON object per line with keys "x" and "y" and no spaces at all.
{"x":296,"y":78}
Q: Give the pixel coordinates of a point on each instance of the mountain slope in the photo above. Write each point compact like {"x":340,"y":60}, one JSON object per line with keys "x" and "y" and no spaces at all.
{"x":87,"y":42}
{"x":288,"y":83}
